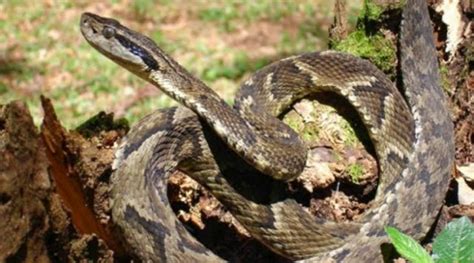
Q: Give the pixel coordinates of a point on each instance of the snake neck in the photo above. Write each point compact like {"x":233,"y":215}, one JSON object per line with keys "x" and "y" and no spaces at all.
{"x":140,"y":55}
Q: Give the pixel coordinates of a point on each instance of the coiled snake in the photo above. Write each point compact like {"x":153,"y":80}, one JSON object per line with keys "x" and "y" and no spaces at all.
{"x":412,"y":136}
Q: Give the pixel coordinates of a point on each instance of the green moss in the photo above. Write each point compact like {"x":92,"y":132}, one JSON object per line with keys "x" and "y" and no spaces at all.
{"x":363,"y":42}
{"x":350,"y":137}
{"x":443,"y":73}
{"x":101,"y":122}
{"x":294,"y":121}
{"x":310,"y":132}
{"x":375,"y":48}
{"x":355,"y":171}
{"x":371,"y":10}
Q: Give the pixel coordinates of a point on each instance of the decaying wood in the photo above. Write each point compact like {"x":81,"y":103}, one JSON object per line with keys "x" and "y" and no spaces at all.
{"x":39,"y":195}
{"x":25,"y":187}
{"x":338,"y":29}
{"x":68,"y":184}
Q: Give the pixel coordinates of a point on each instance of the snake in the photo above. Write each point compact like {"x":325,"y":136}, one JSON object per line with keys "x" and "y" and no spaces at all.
{"x":410,"y":128}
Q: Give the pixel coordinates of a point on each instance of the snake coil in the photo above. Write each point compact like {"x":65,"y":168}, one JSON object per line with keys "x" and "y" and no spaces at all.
{"x":411,"y":133}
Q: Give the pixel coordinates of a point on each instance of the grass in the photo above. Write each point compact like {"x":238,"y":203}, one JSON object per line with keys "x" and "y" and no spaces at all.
{"x":240,"y":65}
{"x":234,"y":12}
{"x":222,"y":42}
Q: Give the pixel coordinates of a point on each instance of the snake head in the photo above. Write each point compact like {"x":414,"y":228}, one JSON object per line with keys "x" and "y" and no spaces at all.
{"x":124,"y":46}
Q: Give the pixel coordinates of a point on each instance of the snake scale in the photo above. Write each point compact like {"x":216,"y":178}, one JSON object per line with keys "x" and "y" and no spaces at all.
{"x":412,"y":135}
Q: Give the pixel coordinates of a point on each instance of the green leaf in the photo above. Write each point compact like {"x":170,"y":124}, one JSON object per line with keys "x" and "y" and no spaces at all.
{"x":408,"y":247}
{"x":455,"y":243}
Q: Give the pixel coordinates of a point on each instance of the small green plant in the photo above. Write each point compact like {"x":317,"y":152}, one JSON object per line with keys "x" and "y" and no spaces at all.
{"x":454,"y":244}
{"x":444,"y":74}
{"x":371,"y":10}
{"x":355,"y":171}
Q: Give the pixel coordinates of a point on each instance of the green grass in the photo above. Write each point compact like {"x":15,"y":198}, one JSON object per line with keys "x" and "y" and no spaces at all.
{"x":240,"y":65}
{"x":233,"y":12}
{"x":142,"y":7}
{"x":43,"y":52}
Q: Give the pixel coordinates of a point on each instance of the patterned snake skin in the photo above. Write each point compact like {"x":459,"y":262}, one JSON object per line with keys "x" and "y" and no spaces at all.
{"x":411,"y":133}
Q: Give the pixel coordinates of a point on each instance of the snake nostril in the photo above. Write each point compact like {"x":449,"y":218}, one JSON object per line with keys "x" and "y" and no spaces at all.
{"x":85,"y":21}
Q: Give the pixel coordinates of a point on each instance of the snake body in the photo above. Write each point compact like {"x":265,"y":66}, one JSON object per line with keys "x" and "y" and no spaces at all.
{"x":411,"y":133}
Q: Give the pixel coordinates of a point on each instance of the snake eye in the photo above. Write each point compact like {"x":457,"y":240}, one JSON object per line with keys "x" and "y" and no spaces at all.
{"x":108,"y":32}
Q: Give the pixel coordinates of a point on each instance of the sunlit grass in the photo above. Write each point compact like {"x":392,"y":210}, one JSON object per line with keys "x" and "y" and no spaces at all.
{"x":43,"y":52}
